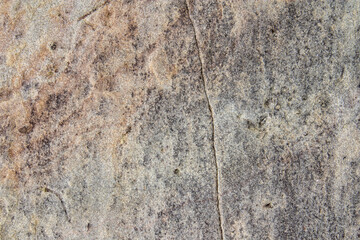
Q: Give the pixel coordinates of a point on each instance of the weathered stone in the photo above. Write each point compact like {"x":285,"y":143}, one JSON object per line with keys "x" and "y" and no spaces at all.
{"x":170,"y":119}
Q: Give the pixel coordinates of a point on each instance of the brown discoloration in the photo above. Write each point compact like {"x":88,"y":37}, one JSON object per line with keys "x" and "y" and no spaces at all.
{"x":162,"y":72}
{"x":10,"y":176}
{"x":105,"y":84}
{"x":5,"y":94}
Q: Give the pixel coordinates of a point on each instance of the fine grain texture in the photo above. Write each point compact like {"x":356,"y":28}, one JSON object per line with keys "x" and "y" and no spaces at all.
{"x":179,"y":119}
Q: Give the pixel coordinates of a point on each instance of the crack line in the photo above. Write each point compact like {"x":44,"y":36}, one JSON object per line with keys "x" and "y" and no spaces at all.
{"x":218,"y":198}
{"x":93,"y":10}
{"x":61,"y":201}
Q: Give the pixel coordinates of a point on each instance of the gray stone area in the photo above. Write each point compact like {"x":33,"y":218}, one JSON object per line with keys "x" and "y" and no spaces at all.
{"x":179,"y":119}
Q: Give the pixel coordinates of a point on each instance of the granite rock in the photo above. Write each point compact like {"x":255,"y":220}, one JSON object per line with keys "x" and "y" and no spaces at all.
{"x":168,"y":119}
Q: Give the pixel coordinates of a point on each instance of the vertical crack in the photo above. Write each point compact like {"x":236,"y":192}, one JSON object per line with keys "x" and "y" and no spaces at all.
{"x":218,"y":195}
{"x":61,"y":201}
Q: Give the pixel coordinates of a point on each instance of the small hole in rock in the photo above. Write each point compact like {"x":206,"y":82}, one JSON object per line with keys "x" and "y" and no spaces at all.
{"x":53,"y":46}
{"x":268,"y":205}
{"x":176,"y":171}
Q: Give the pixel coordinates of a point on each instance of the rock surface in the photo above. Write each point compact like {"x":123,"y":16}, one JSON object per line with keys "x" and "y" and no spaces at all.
{"x":170,"y":119}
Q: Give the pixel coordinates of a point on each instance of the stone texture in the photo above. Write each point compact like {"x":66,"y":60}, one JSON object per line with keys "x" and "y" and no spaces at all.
{"x":174,"y":119}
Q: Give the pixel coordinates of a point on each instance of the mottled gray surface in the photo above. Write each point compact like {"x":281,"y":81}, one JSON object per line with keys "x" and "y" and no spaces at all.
{"x":283,"y":80}
{"x":173,"y":119}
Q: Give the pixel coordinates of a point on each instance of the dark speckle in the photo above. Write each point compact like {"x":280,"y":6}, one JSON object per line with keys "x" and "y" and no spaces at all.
{"x":18,"y":36}
{"x":128,"y":129}
{"x":250,"y":125}
{"x":267,"y":103}
{"x":262,"y":121}
{"x":176,"y":171}
{"x":324,"y":103}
